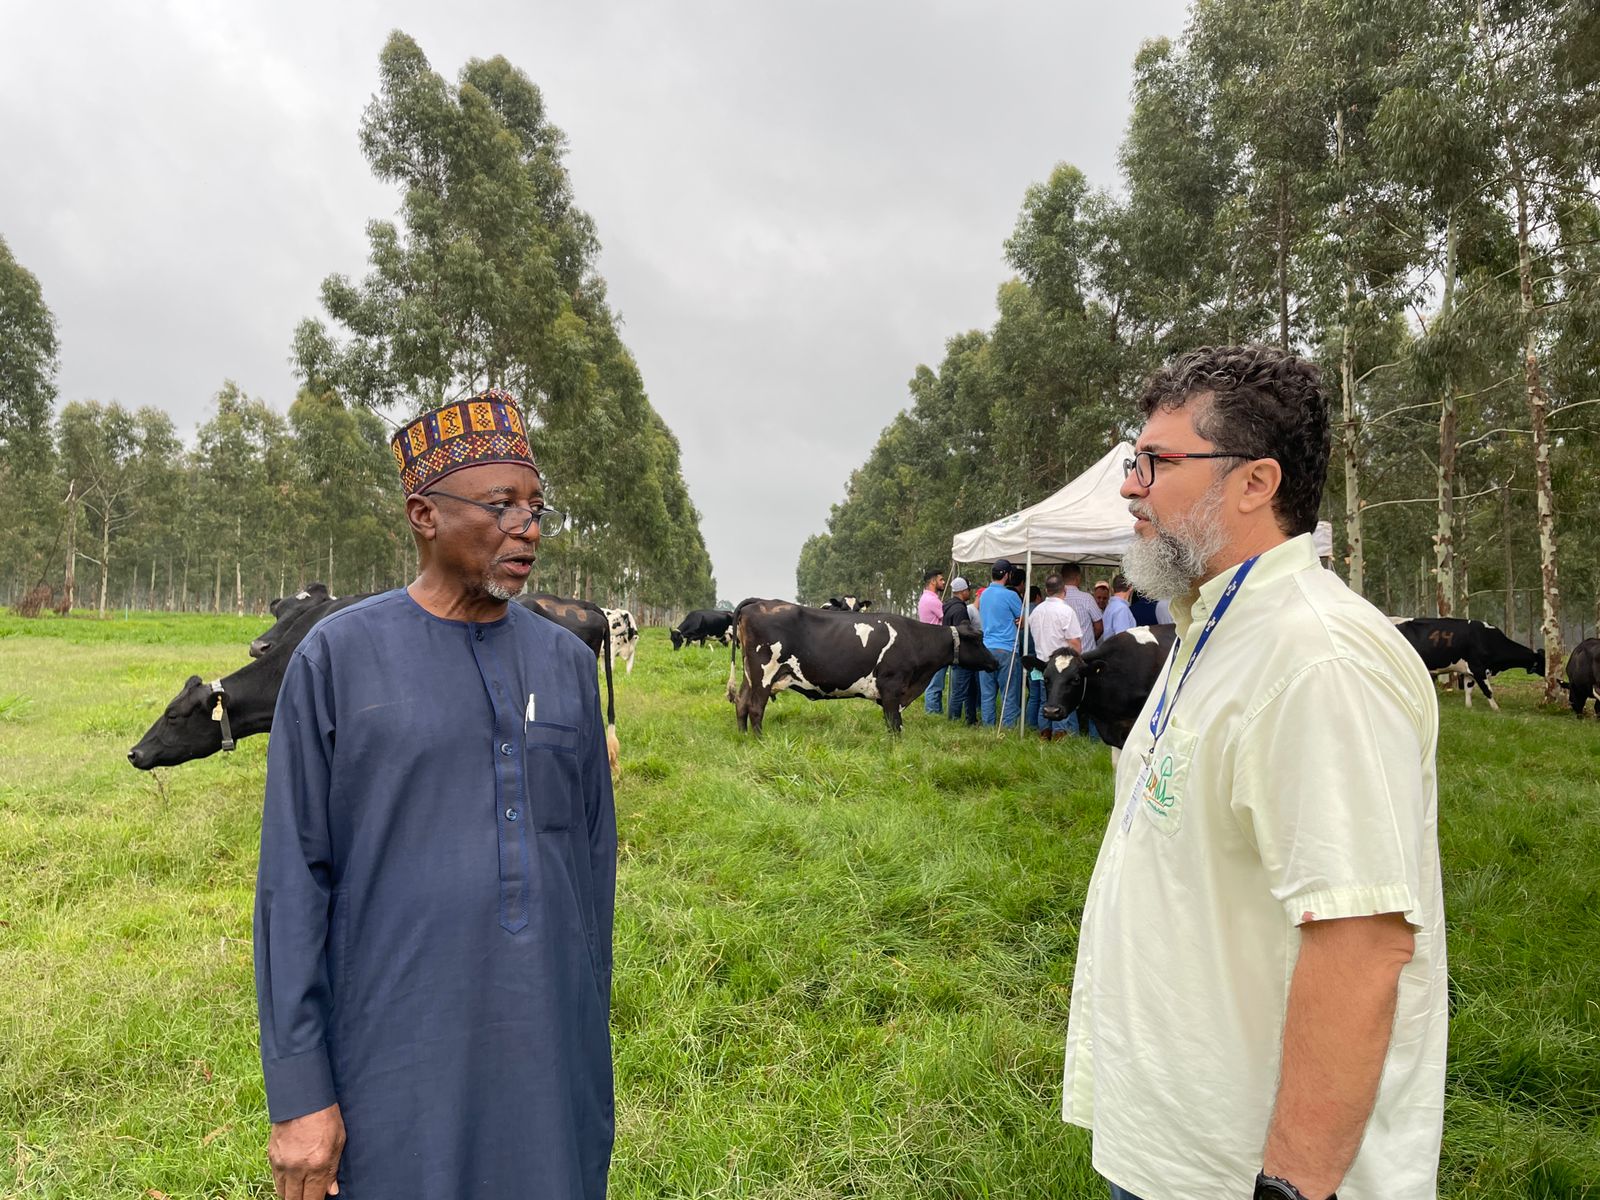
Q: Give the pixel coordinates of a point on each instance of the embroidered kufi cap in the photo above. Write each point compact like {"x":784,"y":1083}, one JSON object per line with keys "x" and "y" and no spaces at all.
{"x":488,"y":428}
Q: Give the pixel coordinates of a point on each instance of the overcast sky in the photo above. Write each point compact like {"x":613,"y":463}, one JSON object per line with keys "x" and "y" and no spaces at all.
{"x":798,"y":202}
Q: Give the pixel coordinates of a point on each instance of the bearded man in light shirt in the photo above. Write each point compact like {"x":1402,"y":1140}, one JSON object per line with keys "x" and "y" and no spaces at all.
{"x":1259,"y":994}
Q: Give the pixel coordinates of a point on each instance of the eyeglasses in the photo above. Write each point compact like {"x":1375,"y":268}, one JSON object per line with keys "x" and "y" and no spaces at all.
{"x":1143,"y":463}
{"x":515,"y":519}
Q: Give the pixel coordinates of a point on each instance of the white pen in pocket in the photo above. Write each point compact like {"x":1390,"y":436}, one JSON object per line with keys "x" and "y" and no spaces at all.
{"x":531,"y":709}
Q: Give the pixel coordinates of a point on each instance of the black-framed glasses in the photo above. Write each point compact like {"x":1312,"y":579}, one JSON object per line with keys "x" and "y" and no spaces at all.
{"x":1143,"y":463}
{"x":515,"y":519}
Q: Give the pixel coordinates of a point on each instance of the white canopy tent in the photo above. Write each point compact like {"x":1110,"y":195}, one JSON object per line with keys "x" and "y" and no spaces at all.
{"x":1085,"y":522}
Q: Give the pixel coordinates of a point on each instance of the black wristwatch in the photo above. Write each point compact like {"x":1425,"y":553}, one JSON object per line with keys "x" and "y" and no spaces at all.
{"x":1270,"y":1187}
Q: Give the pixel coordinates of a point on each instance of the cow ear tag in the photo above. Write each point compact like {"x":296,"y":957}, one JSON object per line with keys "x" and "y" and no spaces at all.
{"x":216,"y":710}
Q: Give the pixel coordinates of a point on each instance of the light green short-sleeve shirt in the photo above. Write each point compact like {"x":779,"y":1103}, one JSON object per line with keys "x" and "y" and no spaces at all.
{"x":1295,"y":781}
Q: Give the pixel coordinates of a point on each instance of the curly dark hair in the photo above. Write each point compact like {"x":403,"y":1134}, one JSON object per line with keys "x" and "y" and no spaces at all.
{"x":1264,"y":403}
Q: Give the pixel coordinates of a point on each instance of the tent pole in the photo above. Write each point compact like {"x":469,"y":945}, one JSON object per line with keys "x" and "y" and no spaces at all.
{"x":1022,"y":640}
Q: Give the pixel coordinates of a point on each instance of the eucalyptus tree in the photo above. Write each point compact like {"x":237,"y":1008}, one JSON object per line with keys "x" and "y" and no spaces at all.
{"x":488,"y":280}
{"x":28,"y":356}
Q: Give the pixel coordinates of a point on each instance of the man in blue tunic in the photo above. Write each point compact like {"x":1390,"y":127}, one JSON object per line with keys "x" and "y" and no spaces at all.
{"x":438,"y":863}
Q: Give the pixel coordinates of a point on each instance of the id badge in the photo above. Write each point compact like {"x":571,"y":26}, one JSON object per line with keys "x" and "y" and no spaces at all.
{"x":1141,"y":784}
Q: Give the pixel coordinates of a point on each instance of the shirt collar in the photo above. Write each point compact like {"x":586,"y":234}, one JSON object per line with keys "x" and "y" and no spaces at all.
{"x":1283,"y":560}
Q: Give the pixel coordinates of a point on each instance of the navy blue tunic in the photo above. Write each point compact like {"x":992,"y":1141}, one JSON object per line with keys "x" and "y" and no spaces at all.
{"x":434,"y":904}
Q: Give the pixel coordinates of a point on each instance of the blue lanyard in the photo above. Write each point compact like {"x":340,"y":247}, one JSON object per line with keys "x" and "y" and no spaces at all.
{"x":1158,"y":726}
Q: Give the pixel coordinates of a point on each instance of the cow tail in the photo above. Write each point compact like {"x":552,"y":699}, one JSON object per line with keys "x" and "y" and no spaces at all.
{"x":613,"y":746}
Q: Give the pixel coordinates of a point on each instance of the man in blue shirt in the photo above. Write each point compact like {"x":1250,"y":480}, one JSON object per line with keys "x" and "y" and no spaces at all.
{"x":1119,"y":612}
{"x":438,"y":863}
{"x":1002,"y":622}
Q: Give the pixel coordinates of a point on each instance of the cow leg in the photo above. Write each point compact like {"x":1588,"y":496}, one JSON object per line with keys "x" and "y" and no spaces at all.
{"x":1482,"y":680}
{"x":756,"y":698}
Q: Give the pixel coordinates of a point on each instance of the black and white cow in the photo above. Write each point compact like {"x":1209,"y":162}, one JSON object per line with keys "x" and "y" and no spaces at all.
{"x":847,"y":603}
{"x":624,"y":636}
{"x":1583,"y":676}
{"x":1454,"y":644}
{"x":206,"y":717}
{"x":288,"y":610}
{"x":701,"y":625}
{"x":829,"y":655}
{"x":1108,"y":684}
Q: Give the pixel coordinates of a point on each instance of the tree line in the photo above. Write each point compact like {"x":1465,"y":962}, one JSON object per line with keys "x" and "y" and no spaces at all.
{"x":1403,"y":190}
{"x":487,"y":279}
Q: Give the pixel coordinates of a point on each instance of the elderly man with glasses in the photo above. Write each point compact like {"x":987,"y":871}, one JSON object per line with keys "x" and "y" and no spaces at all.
{"x":438,"y":862}
{"x":1259,"y":997}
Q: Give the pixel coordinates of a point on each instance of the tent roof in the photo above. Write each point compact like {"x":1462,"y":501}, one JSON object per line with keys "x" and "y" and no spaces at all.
{"x":1087,"y":521}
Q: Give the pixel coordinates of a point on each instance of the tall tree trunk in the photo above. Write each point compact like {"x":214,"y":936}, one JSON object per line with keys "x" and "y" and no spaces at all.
{"x":1283,"y":261}
{"x":1505,"y":539}
{"x":69,"y":585}
{"x":183,"y":604}
{"x":150,"y":596}
{"x":1444,"y":541}
{"x":105,"y":555}
{"x":1538,"y":408}
{"x":216,"y":593}
{"x":1347,"y":385}
{"x":329,"y":580}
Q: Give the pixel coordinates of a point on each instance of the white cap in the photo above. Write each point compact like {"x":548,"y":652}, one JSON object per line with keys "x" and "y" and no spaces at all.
{"x":958,"y":584}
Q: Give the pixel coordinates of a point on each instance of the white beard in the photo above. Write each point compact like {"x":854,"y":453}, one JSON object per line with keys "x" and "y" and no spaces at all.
{"x":503,"y":593}
{"x":1170,"y":562}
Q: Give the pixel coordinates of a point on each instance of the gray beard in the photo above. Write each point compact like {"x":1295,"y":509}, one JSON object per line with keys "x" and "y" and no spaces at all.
{"x":503,"y":593}
{"x":1170,"y":562}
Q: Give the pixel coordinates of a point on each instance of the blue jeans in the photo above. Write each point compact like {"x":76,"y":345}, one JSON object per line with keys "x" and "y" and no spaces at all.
{"x":961,"y":696}
{"x":1006,"y":680}
{"x":931,"y":697}
{"x":1120,"y":1193}
{"x":1084,"y":725}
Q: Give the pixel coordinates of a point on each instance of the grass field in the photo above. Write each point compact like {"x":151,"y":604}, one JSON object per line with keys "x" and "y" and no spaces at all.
{"x":842,"y":963}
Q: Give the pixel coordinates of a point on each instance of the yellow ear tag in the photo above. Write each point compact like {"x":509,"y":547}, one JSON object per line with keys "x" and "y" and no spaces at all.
{"x":216,"y":713}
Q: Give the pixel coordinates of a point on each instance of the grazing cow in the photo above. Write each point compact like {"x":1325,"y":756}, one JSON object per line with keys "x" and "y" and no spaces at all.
{"x":826,"y":655}
{"x":1108,"y":684}
{"x":1583,"y":676}
{"x":624,"y":635}
{"x":206,"y":717}
{"x":288,"y":609}
{"x":1471,"y":647}
{"x":847,"y":603}
{"x":701,"y":624}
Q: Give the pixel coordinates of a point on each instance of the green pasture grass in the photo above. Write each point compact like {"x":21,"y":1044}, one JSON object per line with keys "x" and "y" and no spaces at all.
{"x":842,"y":961}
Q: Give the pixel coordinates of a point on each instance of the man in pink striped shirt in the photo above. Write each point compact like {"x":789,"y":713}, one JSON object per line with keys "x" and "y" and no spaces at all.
{"x":930,"y":611}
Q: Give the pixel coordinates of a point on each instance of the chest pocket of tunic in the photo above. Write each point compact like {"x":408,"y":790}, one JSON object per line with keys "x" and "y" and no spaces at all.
{"x":553,"y":783}
{"x":1167,"y":788}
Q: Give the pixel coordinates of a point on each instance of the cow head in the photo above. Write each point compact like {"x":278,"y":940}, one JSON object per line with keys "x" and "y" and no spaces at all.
{"x":677,"y":639}
{"x":288,"y":610}
{"x":1066,"y":680}
{"x":971,"y":653}
{"x":1539,"y":662}
{"x":185,"y":731}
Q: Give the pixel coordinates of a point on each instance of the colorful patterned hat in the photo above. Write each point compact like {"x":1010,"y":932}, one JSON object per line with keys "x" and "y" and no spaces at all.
{"x":485,"y":429}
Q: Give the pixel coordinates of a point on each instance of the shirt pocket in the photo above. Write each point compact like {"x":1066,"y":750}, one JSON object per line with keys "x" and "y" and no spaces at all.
{"x":1166,"y":787}
{"x":553,"y":786}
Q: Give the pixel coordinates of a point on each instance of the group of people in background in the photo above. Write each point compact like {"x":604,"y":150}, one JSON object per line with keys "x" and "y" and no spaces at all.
{"x":1061,"y":616}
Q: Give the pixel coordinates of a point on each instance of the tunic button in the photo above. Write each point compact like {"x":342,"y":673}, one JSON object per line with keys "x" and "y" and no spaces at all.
{"x":478,"y":633}
{"x":505,"y":748}
{"x":512,"y":814}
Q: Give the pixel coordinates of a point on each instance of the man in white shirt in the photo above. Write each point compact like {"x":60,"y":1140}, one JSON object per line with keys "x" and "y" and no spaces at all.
{"x":1053,"y":625}
{"x":1259,"y":993}
{"x":1089,"y":614}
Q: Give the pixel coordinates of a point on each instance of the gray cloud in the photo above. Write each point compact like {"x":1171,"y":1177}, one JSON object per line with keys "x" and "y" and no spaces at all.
{"x":798,"y":203}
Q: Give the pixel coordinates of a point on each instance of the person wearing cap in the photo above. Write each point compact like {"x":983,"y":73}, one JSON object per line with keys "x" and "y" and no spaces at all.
{"x":962,"y":689}
{"x":1002,"y":622}
{"x":1259,"y":999}
{"x":930,"y":611}
{"x":434,"y":900}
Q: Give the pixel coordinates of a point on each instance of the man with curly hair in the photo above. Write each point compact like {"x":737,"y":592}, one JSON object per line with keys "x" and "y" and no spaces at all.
{"x":1259,"y":995}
